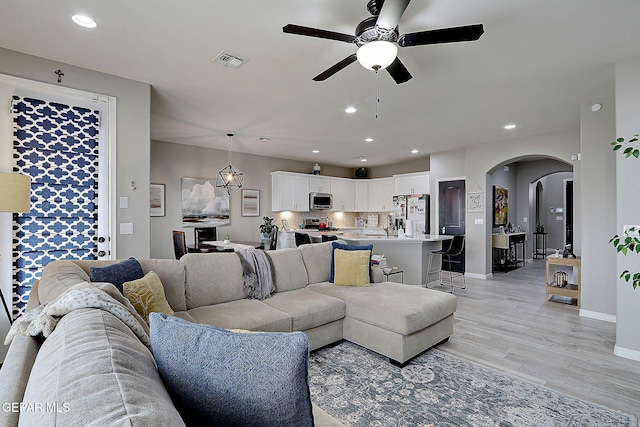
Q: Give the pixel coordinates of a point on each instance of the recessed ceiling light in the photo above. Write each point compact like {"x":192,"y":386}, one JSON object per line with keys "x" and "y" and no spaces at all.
{"x":351,"y":110}
{"x":84,"y":21}
{"x":363,"y":160}
{"x":510,"y":126}
{"x":315,"y":151}
{"x":264,"y":139}
{"x":368,"y":140}
{"x":414,"y":151}
{"x":596,"y":107}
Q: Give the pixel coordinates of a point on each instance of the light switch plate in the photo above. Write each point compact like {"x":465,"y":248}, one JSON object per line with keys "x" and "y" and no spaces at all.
{"x":124,"y":202}
{"x":479,"y":221}
{"x":126,"y":228}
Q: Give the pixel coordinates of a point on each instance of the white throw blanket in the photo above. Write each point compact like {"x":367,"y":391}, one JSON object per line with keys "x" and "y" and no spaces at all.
{"x":43,"y":319}
{"x":257,"y":273}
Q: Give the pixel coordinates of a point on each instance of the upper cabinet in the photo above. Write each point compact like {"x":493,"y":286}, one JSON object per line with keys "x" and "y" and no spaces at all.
{"x":344,"y":197}
{"x":362,"y":196}
{"x":412,"y":183}
{"x":319,"y":184}
{"x":289,"y":192}
{"x":381,"y":191}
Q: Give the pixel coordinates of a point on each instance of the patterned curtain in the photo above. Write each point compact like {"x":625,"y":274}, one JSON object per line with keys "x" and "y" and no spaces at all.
{"x":57,"y":146}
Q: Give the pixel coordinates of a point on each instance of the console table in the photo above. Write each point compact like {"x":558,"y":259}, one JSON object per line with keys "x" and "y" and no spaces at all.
{"x":571,"y":290}
{"x":505,"y":242}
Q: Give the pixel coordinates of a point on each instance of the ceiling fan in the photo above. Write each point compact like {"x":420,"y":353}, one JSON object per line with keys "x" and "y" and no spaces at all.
{"x":378,"y":38}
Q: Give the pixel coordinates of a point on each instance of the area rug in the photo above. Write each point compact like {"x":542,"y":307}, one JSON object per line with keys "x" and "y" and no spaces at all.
{"x":361,"y":388}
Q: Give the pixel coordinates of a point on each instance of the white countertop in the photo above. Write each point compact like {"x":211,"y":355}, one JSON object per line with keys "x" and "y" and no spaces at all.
{"x":421,"y":239}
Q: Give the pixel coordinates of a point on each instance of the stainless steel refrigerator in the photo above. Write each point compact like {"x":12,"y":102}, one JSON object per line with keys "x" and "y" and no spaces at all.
{"x":412,"y":210}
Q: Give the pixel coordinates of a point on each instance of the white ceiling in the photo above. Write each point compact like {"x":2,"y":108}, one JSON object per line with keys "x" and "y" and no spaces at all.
{"x":537,"y":61}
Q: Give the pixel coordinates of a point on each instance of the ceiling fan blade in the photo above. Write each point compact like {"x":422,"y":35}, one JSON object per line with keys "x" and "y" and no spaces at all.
{"x":399,"y":72}
{"x":339,"y":66}
{"x":444,"y":35}
{"x":314,"y":32}
{"x":391,"y":13}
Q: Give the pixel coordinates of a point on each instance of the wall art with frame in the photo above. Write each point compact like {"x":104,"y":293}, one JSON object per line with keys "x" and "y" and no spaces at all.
{"x":156,"y":200}
{"x":500,"y":205}
{"x":203,"y":205}
{"x":250,"y":202}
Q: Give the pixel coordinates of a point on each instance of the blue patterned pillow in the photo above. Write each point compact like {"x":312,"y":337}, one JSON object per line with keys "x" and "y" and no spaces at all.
{"x":216,"y":376}
{"x":336,"y":245}
{"x":124,"y":271}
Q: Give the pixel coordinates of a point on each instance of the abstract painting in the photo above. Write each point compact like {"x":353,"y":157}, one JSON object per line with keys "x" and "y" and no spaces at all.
{"x":203,"y":205}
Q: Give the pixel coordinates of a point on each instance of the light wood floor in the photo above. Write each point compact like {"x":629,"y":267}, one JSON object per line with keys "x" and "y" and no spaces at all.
{"x":505,"y":324}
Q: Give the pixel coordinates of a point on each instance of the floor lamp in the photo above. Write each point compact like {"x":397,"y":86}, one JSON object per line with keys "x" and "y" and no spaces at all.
{"x":14,"y":197}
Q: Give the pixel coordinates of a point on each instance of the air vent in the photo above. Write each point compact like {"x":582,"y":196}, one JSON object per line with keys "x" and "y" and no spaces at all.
{"x":231,"y":60}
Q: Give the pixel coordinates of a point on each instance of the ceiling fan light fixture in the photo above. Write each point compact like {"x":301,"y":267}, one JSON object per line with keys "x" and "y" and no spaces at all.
{"x":377,"y":55}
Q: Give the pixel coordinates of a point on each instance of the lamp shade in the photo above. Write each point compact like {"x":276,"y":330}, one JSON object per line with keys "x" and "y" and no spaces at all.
{"x":15,"y":190}
{"x":377,"y":54}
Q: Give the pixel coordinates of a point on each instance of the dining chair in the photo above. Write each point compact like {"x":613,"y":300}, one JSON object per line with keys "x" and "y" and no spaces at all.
{"x":179,"y":244}
{"x":273,"y":240}
{"x":202,"y":234}
{"x":302,"y":239}
{"x":329,"y":237}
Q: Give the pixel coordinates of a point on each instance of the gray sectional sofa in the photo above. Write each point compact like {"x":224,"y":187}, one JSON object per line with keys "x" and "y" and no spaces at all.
{"x":92,"y":370}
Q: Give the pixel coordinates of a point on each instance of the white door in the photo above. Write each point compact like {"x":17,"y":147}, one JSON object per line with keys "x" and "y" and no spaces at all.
{"x":62,"y":237}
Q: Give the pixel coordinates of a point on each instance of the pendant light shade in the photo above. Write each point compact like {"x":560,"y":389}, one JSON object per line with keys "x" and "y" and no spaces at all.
{"x":377,"y":55}
{"x":229,"y":178}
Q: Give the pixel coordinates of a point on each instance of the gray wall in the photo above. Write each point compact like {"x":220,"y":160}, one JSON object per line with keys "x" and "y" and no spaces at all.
{"x":598,"y":200}
{"x":628,"y":205}
{"x":170,"y":162}
{"x":477,"y":162}
{"x":132,"y":134}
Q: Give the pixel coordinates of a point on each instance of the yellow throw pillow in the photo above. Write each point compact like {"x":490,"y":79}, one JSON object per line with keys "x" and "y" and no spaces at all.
{"x":147,"y":295}
{"x":351,"y":267}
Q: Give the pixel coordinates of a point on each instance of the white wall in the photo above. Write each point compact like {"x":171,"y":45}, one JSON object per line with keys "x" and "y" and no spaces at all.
{"x":628,"y":205}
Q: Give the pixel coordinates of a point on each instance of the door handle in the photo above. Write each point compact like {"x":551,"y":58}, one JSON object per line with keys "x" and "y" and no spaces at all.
{"x":443,"y":230}
{"x":102,"y":253}
{"x":101,"y":239}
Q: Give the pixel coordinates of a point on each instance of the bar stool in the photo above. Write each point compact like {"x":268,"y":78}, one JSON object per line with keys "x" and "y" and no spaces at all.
{"x":455,"y":249}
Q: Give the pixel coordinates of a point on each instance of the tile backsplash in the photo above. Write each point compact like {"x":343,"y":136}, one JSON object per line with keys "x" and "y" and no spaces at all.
{"x":337,"y":219}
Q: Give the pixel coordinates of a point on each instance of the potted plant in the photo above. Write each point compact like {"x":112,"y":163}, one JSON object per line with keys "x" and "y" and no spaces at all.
{"x":629,"y":242}
{"x":267,"y":227}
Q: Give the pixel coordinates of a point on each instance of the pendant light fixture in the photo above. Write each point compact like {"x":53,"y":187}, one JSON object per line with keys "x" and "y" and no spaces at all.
{"x":230,"y":179}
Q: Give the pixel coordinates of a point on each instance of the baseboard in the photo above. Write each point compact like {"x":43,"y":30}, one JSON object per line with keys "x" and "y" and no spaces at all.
{"x":598,"y":316}
{"x":627,"y":353}
{"x":478,"y":276}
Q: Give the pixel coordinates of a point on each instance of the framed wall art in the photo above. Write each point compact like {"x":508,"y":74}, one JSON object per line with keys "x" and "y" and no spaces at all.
{"x":203,"y":205}
{"x":475,"y":201}
{"x":156,"y":200}
{"x":250,"y":202}
{"x":500,"y":205}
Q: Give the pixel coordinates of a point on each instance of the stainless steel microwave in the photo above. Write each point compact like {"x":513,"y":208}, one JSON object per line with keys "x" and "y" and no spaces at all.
{"x":320,"y":201}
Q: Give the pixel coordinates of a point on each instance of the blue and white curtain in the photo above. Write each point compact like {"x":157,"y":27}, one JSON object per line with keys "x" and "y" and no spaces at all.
{"x":57,"y":146}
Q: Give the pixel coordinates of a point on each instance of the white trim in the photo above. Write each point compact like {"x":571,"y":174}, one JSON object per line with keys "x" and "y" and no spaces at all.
{"x":598,"y":316}
{"x":478,"y":276}
{"x":626,"y":353}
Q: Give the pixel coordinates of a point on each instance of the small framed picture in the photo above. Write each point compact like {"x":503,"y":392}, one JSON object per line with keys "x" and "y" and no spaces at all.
{"x":285,"y":224}
{"x":156,"y":200}
{"x":250,"y":202}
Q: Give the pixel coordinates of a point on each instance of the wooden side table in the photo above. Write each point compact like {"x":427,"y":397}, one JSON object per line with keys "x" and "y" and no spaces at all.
{"x":572,"y":290}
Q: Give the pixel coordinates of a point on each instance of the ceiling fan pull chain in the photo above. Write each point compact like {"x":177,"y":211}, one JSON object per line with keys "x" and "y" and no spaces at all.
{"x":377,"y":68}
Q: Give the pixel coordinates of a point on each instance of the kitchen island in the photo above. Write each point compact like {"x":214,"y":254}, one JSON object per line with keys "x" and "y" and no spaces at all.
{"x":410,"y":254}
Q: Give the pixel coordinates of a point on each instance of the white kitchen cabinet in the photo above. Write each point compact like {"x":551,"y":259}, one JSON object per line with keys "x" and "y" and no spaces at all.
{"x":412,"y":183}
{"x":289,"y":192}
{"x":319,"y":184}
{"x":344,"y":195}
{"x":361,"y":196}
{"x":381,"y":193}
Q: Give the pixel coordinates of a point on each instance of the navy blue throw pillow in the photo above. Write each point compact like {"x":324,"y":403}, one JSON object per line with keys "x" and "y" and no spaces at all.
{"x":336,"y":245}
{"x":124,"y":271}
{"x":227,"y":378}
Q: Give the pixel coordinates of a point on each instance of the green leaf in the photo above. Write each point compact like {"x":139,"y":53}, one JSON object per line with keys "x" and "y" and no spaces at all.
{"x":627,"y":150}
{"x":617,"y":147}
{"x":620,"y":139}
{"x":633,"y":140}
{"x":636,"y":153}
